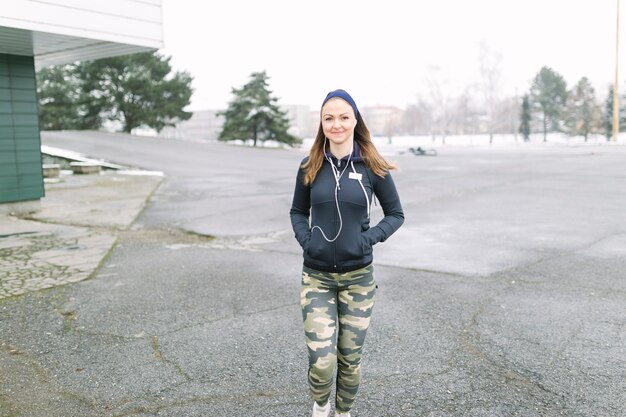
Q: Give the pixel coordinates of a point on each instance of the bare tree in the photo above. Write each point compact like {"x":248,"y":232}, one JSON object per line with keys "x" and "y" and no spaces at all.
{"x":392,"y":123}
{"x":439,"y":101}
{"x":506,"y":116}
{"x":462,"y":113}
{"x":416,"y":118}
{"x":490,"y":80}
{"x":583,"y":114}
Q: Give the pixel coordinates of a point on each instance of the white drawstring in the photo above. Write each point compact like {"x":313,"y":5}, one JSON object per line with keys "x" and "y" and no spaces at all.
{"x":367,"y":199}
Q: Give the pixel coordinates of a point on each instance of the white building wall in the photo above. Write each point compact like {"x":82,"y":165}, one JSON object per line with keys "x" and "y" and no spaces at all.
{"x":124,"y":21}
{"x":59,"y":31}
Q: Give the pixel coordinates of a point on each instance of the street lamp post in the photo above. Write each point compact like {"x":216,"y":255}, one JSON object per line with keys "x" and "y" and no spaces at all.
{"x":615,"y":84}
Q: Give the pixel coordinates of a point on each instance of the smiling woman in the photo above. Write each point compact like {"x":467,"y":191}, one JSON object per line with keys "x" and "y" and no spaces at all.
{"x":330,"y":215}
{"x":338,"y":122}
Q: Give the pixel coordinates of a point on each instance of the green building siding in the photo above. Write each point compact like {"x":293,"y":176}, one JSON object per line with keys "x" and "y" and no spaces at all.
{"x":21,"y":176}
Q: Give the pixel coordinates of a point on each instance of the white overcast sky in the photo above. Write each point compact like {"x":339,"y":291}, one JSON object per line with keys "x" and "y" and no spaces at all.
{"x":380,"y":51}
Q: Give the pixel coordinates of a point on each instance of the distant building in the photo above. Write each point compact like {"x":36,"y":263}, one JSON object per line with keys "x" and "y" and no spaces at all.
{"x":37,"y":34}
{"x":382,"y":120}
{"x":204,"y":125}
{"x":314,"y":123}
{"x":299,"y":119}
{"x":207,"y":125}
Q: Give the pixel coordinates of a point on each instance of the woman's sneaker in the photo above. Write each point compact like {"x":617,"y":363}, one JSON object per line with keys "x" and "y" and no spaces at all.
{"x":319,"y":411}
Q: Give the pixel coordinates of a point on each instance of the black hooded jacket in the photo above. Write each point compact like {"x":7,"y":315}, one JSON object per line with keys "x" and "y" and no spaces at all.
{"x":352,"y":249}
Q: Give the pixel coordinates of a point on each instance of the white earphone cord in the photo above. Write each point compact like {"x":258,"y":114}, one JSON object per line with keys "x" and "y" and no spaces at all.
{"x":338,"y":176}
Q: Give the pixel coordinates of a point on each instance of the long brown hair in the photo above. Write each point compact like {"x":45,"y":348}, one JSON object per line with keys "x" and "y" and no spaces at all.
{"x":370,"y":155}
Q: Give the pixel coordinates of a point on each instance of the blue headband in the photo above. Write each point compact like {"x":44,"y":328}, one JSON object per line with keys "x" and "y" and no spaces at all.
{"x":344,"y":95}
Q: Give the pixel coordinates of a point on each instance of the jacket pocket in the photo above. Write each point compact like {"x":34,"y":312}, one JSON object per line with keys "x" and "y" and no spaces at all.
{"x":349,"y":246}
{"x":317,"y":246}
{"x":366,"y":247}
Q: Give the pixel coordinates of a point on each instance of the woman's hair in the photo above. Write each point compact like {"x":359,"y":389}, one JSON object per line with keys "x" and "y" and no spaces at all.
{"x":370,"y":155}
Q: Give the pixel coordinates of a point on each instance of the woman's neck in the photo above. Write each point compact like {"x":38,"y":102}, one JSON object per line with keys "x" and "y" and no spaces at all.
{"x":339,"y":151}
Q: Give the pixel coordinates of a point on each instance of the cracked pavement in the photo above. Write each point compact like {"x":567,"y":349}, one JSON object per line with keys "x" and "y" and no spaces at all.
{"x":502,"y":295}
{"x":74,"y":229}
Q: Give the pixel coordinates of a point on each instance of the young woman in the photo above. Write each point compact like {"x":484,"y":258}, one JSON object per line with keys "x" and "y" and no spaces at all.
{"x":330,"y":216}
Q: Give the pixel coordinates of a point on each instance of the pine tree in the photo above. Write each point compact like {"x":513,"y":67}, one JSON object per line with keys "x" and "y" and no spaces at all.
{"x":254,"y":114}
{"x":137,"y":90}
{"x":582,"y":112}
{"x":608,"y":115}
{"x":548,"y":94}
{"x":62,"y":103}
{"x":525,"y":118}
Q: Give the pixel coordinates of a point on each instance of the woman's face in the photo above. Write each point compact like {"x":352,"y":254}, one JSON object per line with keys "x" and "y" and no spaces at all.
{"x":338,"y":121}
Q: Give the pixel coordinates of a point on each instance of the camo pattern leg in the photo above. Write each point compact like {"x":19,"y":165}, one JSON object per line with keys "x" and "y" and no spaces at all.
{"x":354,"y":307}
{"x":327,"y":300}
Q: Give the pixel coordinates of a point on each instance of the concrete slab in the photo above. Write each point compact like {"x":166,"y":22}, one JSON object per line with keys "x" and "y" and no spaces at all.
{"x":72,"y":232}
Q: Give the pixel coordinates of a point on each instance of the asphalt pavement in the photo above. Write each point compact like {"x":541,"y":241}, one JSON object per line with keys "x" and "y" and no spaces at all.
{"x":504,"y":294}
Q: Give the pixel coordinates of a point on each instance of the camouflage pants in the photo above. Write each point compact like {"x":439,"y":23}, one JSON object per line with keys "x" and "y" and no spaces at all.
{"x":331,"y":300}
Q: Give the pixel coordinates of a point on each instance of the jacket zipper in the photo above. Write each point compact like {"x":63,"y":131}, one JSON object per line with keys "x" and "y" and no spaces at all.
{"x":334,"y":244}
